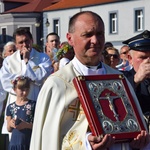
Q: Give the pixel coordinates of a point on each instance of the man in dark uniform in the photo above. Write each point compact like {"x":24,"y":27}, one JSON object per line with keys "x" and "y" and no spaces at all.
{"x":139,"y":75}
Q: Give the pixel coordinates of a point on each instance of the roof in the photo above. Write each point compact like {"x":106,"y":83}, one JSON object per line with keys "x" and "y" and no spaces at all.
{"x":64,"y":4}
{"x":18,"y":1}
{"x":33,"y":6}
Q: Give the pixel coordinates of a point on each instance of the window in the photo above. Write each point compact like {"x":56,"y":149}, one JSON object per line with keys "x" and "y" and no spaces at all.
{"x":113,"y":22}
{"x":56,"y":26}
{"x":1,"y":7}
{"x":139,"y":20}
{"x":3,"y":37}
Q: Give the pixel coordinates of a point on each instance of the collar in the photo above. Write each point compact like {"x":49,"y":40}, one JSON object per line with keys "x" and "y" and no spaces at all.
{"x":88,"y":70}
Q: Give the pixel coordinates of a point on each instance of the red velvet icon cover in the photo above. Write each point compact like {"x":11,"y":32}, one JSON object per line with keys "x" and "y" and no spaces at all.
{"x":109,"y":106}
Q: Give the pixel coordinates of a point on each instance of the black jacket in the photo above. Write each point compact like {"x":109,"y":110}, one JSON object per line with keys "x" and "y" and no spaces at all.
{"x":142,"y":92}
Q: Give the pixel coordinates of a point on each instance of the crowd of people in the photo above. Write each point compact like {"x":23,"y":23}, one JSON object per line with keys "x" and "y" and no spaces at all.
{"x":43,"y":110}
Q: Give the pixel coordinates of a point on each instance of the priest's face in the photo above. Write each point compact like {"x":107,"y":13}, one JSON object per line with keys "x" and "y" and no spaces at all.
{"x":23,"y":42}
{"x":87,"y":39}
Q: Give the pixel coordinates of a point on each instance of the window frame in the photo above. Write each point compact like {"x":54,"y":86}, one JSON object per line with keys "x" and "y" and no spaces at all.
{"x":113,"y":22}
{"x":3,"y":36}
{"x":56,"y":26}
{"x":139,"y":19}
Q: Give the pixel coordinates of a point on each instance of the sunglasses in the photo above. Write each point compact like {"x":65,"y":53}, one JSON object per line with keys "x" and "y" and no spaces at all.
{"x":125,"y":52}
{"x":114,"y":56}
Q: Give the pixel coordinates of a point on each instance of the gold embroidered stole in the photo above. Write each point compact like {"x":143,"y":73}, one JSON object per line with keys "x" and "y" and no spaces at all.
{"x":74,"y":138}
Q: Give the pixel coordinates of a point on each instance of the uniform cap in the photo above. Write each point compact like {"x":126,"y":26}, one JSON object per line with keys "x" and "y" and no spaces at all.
{"x":140,"y":42}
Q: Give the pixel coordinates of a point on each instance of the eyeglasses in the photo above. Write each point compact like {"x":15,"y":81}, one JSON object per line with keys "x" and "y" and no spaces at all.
{"x":114,"y":56}
{"x":125,"y":52}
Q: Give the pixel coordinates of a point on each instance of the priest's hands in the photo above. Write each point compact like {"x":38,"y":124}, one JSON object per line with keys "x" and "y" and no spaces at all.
{"x":25,"y":54}
{"x":140,"y":141}
{"x":98,"y":143}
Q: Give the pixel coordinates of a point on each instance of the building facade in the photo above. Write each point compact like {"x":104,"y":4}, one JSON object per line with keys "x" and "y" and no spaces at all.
{"x":22,"y":13}
{"x":123,"y":19}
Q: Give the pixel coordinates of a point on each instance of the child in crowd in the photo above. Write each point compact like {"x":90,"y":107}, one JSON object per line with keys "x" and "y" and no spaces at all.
{"x":20,"y":115}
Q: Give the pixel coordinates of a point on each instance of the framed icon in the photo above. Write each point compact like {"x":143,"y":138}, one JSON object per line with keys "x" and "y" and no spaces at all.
{"x":109,"y":106}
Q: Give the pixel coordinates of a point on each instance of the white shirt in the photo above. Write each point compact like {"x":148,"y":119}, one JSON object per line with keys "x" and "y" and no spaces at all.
{"x":85,"y":70}
{"x":63,"y":61}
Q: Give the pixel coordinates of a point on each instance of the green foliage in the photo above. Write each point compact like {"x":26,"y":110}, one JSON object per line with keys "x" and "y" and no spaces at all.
{"x":38,"y":47}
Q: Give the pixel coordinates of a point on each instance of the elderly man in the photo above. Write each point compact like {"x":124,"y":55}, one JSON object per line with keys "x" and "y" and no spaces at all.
{"x":139,"y":76}
{"x":9,"y":49}
{"x":124,"y":62}
{"x":55,"y":127}
{"x":124,"y":50}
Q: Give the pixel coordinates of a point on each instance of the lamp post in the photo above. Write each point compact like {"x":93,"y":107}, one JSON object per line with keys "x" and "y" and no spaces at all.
{"x":38,"y":23}
{"x":47,"y":23}
{"x":39,"y":29}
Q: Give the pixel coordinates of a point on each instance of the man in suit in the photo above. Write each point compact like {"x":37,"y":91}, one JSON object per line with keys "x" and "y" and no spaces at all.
{"x":60,"y":122}
{"x":139,"y":76}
